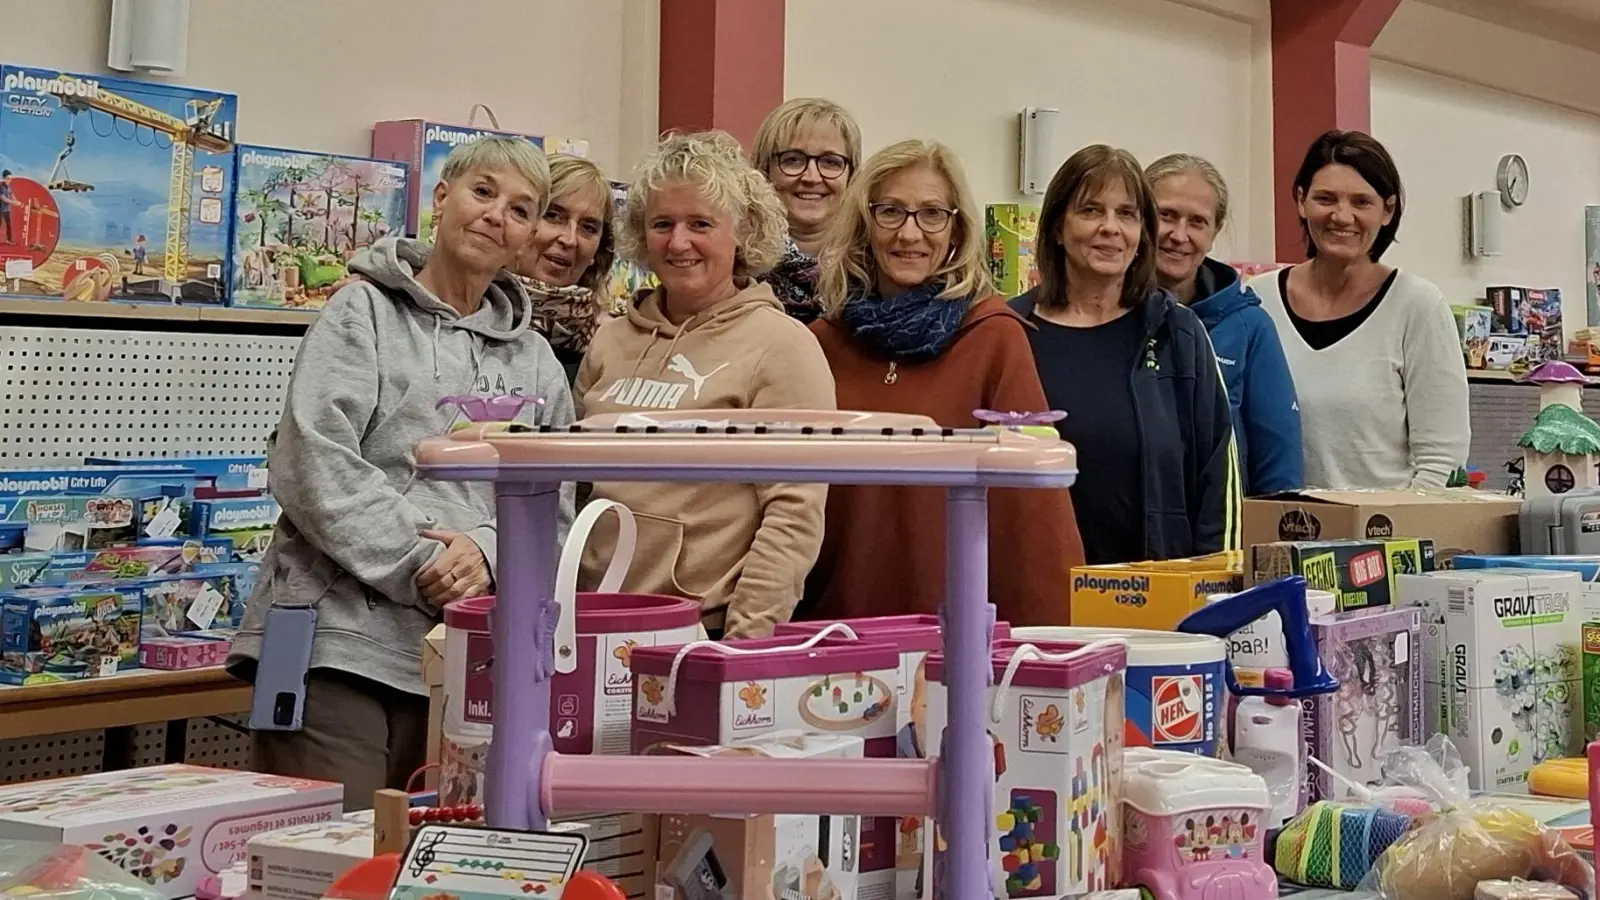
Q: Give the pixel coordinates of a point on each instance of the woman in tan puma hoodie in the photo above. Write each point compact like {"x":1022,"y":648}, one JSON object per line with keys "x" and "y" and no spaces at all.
{"x":711,"y":337}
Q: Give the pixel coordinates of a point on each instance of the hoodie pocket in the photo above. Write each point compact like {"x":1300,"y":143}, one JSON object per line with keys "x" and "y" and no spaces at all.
{"x":450,"y":513}
{"x":658,"y":564}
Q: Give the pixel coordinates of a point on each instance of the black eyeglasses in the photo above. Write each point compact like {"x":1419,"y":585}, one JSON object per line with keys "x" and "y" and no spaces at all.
{"x":829,"y":165}
{"x":931,"y":219}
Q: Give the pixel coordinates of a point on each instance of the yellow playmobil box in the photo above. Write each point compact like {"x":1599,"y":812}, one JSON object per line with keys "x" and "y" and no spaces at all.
{"x":1155,"y":595}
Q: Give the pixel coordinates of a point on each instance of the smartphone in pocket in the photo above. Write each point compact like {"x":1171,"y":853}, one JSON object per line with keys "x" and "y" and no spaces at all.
{"x":279,"y":701}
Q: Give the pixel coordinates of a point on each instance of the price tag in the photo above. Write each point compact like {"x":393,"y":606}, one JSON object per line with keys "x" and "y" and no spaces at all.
{"x":107,"y":667}
{"x":258,"y":478}
{"x":19,"y":268}
{"x":165,"y":524}
{"x":205,"y":606}
{"x":1402,"y":648}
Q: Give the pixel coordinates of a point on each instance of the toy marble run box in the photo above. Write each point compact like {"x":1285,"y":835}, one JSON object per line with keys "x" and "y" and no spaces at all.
{"x":114,"y":189}
{"x":424,"y":146}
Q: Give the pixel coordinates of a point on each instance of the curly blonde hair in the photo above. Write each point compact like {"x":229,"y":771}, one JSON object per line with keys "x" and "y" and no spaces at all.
{"x":713,"y":162}
{"x":779,"y":129}
{"x":847,"y":264}
{"x":571,"y":175}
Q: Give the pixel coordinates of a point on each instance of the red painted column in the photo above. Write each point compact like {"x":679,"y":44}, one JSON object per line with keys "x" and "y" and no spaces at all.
{"x":721,"y":64}
{"x":1321,"y":79}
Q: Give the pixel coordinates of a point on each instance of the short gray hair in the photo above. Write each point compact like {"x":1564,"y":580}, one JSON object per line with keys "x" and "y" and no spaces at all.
{"x":1184,"y":163}
{"x":713,"y":162}
{"x":502,"y":152}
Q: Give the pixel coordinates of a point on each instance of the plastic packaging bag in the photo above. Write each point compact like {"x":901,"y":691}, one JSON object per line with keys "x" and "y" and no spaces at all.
{"x":44,"y":871}
{"x":1469,"y":840}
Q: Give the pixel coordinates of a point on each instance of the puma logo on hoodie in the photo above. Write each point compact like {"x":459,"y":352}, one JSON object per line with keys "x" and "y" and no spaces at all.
{"x":648,"y":393}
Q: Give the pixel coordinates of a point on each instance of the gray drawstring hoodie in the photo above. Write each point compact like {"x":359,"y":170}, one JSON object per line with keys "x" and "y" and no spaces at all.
{"x":366,"y":383}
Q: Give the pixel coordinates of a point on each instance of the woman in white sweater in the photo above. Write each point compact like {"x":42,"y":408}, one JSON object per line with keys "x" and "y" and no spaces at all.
{"x":1373,"y":350}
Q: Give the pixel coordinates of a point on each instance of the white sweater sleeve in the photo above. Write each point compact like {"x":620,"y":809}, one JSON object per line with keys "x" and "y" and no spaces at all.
{"x":1434,"y":375}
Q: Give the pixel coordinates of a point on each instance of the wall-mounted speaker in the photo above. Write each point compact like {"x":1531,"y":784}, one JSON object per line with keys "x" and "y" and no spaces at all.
{"x":149,"y":36}
{"x":1036,"y":157}
{"x":1483,"y":218}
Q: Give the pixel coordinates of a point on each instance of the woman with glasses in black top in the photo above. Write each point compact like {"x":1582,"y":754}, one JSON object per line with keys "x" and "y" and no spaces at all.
{"x":808,"y":149}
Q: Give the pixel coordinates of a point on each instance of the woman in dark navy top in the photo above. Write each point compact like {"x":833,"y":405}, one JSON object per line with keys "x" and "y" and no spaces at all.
{"x":1132,"y":368}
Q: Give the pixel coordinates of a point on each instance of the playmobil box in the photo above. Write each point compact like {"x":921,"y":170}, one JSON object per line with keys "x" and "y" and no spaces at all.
{"x":144,"y":560}
{"x":113,"y":189}
{"x":209,"y":597}
{"x":69,"y":522}
{"x":1501,"y":671}
{"x":168,"y":826}
{"x":21,"y":569}
{"x":825,"y":685}
{"x":1150,"y":595}
{"x":1057,"y":764}
{"x":423,"y":146}
{"x":768,"y":855}
{"x":63,"y":634}
{"x":1457,"y":520}
{"x":302,"y":862}
{"x":301,"y":215}
{"x":119,"y":481}
{"x":220,"y":517}
{"x":1359,"y":574}
{"x":1377,"y":656}
{"x":1011,"y":230}
{"x":218,"y":474}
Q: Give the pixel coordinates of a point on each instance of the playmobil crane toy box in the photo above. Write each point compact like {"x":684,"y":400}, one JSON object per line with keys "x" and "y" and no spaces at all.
{"x":169,"y":826}
{"x":301,"y":216}
{"x":112,"y":189}
{"x":423,"y":146}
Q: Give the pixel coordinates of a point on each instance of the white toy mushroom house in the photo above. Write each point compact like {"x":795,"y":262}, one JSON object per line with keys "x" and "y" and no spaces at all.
{"x":1561,"y":451}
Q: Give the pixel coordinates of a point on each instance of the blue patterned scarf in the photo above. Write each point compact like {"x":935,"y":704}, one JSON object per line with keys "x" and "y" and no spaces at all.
{"x":914,"y":327}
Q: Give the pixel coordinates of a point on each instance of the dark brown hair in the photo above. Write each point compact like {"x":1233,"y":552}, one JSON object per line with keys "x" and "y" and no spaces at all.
{"x":1371,"y":161}
{"x":1082,"y":176}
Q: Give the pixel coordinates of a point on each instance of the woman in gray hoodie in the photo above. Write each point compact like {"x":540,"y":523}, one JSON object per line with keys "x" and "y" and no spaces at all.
{"x":374,"y":548}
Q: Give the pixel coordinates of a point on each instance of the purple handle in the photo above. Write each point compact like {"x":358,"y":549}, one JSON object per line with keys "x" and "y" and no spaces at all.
{"x":502,"y":408}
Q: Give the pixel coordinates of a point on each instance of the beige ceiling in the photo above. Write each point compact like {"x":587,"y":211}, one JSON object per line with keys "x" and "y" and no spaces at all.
{"x":1570,"y":21}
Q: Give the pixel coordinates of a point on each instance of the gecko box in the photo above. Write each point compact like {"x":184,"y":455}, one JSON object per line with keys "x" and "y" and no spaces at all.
{"x":809,"y":857}
{"x":168,"y":826}
{"x":423,"y":146}
{"x":1501,"y":667}
{"x":1150,"y":595}
{"x":1056,"y":831}
{"x":302,"y":862}
{"x":1377,"y":656}
{"x":1359,"y":574}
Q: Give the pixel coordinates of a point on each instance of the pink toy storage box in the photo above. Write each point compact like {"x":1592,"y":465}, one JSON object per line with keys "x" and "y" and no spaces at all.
{"x":1192,"y":827}
{"x":734,"y":691}
{"x":915,"y":635}
{"x":1056,"y":716}
{"x":170,"y":826}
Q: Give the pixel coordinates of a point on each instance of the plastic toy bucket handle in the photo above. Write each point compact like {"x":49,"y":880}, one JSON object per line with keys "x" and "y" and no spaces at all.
{"x":730,"y":650}
{"x":567,"y":573}
{"x":997,"y":708}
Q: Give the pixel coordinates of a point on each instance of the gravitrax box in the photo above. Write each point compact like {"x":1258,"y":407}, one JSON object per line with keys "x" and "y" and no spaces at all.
{"x":169,"y":826}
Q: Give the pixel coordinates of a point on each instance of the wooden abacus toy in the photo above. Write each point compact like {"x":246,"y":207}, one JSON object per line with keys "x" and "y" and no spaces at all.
{"x":396,"y":814}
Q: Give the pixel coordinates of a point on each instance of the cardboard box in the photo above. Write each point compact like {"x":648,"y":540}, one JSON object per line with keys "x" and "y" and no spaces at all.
{"x":1012,"y":229}
{"x":1591,"y":681}
{"x":168,"y":826}
{"x":1457,"y":520}
{"x":1153,"y":595}
{"x":301,"y":863}
{"x":423,"y":146}
{"x":1359,"y":574}
{"x":1473,"y":324}
{"x":1377,"y":656}
{"x":51,"y":634}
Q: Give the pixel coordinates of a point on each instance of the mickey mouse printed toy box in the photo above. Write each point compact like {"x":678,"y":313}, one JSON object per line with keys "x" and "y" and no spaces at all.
{"x":168,"y":826}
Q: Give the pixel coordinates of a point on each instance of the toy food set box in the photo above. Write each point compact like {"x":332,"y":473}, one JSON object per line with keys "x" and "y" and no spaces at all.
{"x":143,"y":560}
{"x":423,"y":147}
{"x":767,"y":855}
{"x":168,"y":826}
{"x":209,"y":597}
{"x":114,"y":189}
{"x":1057,"y":765}
{"x":63,"y":634}
{"x":916,"y":636}
{"x":302,"y":862}
{"x":192,"y":650}
{"x":1377,"y":656}
{"x":1150,"y":595}
{"x":821,"y":685}
{"x":1473,"y":324}
{"x":1359,"y":574}
{"x":1011,"y":229}
{"x":301,"y":215}
{"x":1457,"y":520}
{"x":1501,"y":671}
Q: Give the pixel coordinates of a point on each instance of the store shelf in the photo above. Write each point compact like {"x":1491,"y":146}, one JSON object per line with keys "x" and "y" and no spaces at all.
{"x":1499,"y":376}
{"x":132,"y":698}
{"x":155,"y":312}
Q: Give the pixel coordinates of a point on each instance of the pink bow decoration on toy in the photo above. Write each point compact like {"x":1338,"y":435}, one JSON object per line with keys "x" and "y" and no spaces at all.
{"x":503,"y":408}
{"x":1015,"y":419}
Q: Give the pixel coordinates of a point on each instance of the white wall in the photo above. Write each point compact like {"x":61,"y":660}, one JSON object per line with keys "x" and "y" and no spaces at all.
{"x":1151,"y":76}
{"x":315,"y":74}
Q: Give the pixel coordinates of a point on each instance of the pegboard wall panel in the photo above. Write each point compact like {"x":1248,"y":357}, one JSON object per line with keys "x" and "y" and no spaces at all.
{"x":67,"y":393}
{"x":1500,"y":414}
{"x":51,"y":756}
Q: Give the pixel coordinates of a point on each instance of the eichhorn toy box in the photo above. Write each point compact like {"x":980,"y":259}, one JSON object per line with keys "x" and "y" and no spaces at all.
{"x":770,"y":855}
{"x":301,"y":863}
{"x":1501,"y":667}
{"x":1056,"y":830}
{"x":1012,"y":229}
{"x":50,"y":634}
{"x":1150,"y":595}
{"x":114,"y":189}
{"x":423,"y":147}
{"x":301,"y":216}
{"x":1359,"y":574}
{"x":1377,"y":656}
{"x":169,"y":826}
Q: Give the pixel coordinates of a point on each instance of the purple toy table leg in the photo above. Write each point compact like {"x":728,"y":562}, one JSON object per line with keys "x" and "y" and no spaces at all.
{"x":964,"y":770}
{"x":523,"y":629}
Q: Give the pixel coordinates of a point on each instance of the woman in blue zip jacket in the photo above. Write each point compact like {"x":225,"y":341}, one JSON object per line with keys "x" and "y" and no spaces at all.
{"x":1132,"y":368}
{"x":1192,"y":207}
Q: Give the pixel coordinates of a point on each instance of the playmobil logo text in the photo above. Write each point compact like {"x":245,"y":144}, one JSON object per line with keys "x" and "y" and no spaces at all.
{"x":455,"y":137}
{"x":52,"y":484}
{"x":273,"y":161}
{"x":61,"y":85}
{"x":1108,"y":583}
{"x":257,"y":512}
